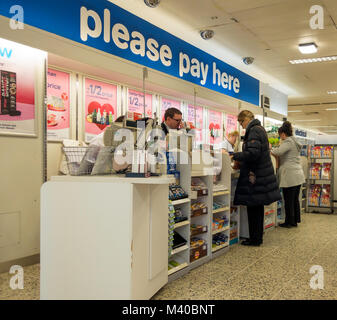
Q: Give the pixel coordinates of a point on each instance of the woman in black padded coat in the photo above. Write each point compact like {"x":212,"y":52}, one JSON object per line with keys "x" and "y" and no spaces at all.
{"x":257,"y":185}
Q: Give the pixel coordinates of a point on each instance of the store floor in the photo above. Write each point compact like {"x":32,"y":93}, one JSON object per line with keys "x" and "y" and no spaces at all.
{"x":279,"y":269}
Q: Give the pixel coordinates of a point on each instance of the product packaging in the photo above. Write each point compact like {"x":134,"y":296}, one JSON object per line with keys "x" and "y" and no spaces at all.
{"x":326,"y":171}
{"x":315,"y":171}
{"x":325,"y":199}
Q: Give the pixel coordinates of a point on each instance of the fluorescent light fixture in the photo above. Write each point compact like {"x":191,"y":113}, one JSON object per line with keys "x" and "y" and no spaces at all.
{"x":331,"y":109}
{"x":332,"y":92}
{"x":311,"y":120}
{"x":324,"y":127}
{"x":294,"y":111}
{"x":308,"y":48}
{"x":313,"y":60}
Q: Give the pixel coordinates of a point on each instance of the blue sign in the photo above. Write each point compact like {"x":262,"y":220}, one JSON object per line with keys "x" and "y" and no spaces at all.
{"x":103,"y":25}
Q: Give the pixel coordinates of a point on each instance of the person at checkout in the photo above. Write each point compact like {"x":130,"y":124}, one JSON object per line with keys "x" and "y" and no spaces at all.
{"x":229,"y":143}
{"x":173,"y":120}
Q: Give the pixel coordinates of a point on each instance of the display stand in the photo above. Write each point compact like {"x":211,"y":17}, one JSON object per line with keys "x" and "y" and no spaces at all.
{"x":322,"y":183}
{"x":103,"y":237}
{"x":223,"y":213}
{"x":235,"y":213}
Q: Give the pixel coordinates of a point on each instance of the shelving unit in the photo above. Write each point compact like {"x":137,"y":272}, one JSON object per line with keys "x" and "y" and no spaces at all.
{"x":234,"y":237}
{"x":223,"y":196}
{"x":320,"y":181}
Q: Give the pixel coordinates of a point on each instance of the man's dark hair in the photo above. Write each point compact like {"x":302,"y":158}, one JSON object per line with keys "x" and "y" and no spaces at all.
{"x":171,"y":112}
{"x":120,"y":119}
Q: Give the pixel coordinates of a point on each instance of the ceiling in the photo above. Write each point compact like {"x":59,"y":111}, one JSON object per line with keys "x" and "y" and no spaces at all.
{"x":269,"y":31}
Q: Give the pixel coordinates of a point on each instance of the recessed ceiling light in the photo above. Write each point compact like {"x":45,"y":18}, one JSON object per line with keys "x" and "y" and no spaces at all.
{"x":294,"y":111}
{"x":332,"y":92}
{"x":331,"y":109}
{"x":308,"y":48}
{"x":313,"y":60}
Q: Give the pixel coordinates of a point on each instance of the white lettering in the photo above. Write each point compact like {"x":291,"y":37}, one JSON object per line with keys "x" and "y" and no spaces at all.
{"x":195,"y":68}
{"x":120,"y":32}
{"x":236,"y":85}
{"x":184,"y":64}
{"x":216,"y":74}
{"x":204,"y":72}
{"x":165,"y":55}
{"x":137,"y":45}
{"x":152,"y":53}
{"x":85,"y":29}
{"x":107,"y":25}
{"x":224,"y":80}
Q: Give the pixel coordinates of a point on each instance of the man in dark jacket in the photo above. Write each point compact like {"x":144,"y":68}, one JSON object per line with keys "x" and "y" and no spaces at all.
{"x":257,"y":185}
{"x":173,"y":120}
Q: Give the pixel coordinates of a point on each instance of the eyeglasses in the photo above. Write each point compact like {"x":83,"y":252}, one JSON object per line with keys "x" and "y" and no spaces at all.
{"x":178,"y":120}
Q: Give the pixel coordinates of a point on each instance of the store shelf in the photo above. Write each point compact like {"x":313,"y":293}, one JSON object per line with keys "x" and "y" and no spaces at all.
{"x":178,"y":268}
{"x":181,"y":201}
{"x":181,"y":224}
{"x":221,"y":210}
{"x":220,"y":230}
{"x":220,"y":193}
{"x":220,"y":247}
{"x":198,"y":174}
{"x":180,"y":249}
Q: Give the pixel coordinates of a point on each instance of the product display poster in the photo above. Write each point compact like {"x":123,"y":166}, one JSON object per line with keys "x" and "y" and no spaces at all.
{"x":18,"y":71}
{"x":215,"y":127}
{"x":58,"y":105}
{"x":136,"y":103}
{"x":231,"y":124}
{"x":195,"y":120}
{"x":169,"y":103}
{"x":100,"y":107}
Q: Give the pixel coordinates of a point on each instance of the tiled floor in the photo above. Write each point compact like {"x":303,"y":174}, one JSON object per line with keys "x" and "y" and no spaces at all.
{"x":279,"y":269}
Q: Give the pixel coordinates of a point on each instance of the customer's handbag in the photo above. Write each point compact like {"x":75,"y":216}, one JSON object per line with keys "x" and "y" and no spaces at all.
{"x":236,"y":165}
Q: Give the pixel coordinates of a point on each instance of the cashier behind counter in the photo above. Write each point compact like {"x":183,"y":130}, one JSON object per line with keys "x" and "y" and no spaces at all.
{"x":173,"y":120}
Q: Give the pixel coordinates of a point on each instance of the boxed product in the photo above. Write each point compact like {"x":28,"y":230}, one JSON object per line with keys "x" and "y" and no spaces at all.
{"x":314,"y":195}
{"x":316,"y":152}
{"x":197,"y":229}
{"x":315,"y":171}
{"x":326,"y":151}
{"x":325,"y":199}
{"x":326,"y":171}
{"x":176,"y":192}
{"x":198,"y":249}
{"x":198,"y":208}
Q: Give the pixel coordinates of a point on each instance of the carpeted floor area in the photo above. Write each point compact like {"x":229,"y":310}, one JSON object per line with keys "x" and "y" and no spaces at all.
{"x":279,"y":269}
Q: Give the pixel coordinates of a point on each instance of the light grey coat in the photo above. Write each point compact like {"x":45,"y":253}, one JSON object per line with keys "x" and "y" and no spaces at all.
{"x":290,"y":171}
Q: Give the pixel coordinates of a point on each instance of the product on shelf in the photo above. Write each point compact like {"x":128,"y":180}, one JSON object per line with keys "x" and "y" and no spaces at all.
{"x":198,"y":184}
{"x":173,"y":264}
{"x":326,"y":171}
{"x":314,"y":195}
{"x":219,"y":239}
{"x":315,"y":170}
{"x":198,"y":249}
{"x":176,"y":192}
{"x":179,"y":217}
{"x":170,"y":226}
{"x":171,"y":163}
{"x":197,"y":242}
{"x":219,"y":223}
{"x":325,"y":199}
{"x":326,"y":151}
{"x":197,"y":229}
{"x":219,"y":205}
{"x":178,"y":240}
{"x":219,"y":187}
{"x":316,"y":152}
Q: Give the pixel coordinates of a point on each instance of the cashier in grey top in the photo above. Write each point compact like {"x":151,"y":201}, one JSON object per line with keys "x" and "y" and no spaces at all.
{"x":173,"y":120}
{"x":229,"y":143}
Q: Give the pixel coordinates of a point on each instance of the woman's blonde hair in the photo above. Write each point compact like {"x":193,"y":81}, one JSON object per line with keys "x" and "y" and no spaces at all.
{"x":245,"y":114}
{"x":234,"y":133}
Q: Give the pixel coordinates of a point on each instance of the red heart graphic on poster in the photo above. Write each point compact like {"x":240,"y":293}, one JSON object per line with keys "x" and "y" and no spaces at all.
{"x":94,"y":105}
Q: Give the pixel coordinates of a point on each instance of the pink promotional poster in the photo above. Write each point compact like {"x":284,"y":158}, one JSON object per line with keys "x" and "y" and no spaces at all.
{"x":215,"y":127}
{"x":169,"y":103}
{"x":136,"y":103}
{"x":100,"y":107}
{"x":195,"y":120}
{"x":231,"y":123}
{"x":58,"y":105}
{"x":18,"y":66}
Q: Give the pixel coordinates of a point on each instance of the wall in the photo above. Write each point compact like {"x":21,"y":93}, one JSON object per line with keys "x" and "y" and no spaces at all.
{"x":326,"y":139}
{"x":278,"y":100}
{"x":21,"y":171}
